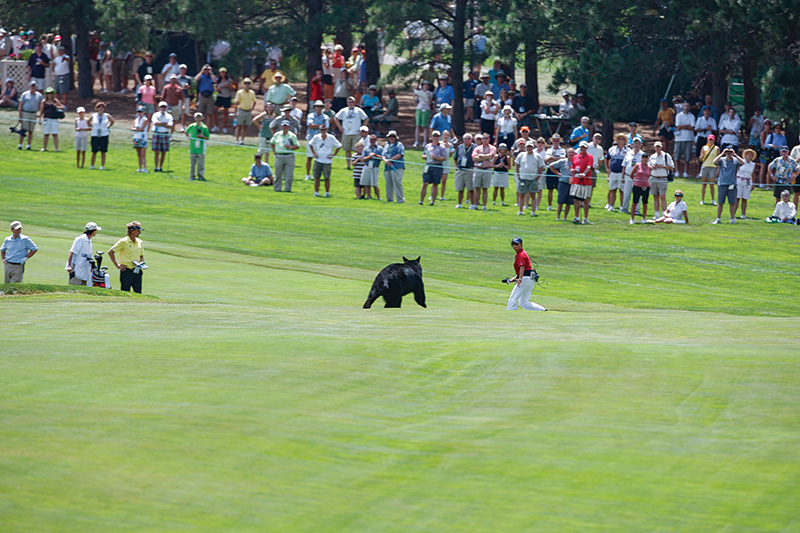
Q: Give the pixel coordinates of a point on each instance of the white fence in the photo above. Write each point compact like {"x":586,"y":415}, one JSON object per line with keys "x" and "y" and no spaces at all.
{"x":18,"y":71}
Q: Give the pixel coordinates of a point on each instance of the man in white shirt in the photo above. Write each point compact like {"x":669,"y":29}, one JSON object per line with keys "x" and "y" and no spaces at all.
{"x":61,"y":73}
{"x":729,"y":126}
{"x":529,"y":165}
{"x":631,"y":160}
{"x":324,"y":147}
{"x":172,"y":67}
{"x":349,"y":120}
{"x":164,"y":124}
{"x":78,"y":265}
{"x":684,"y":139}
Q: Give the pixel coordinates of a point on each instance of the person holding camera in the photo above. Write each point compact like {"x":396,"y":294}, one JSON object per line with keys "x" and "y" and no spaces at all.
{"x":728,"y":162}
{"x":29,"y":103}
{"x":523,"y":280}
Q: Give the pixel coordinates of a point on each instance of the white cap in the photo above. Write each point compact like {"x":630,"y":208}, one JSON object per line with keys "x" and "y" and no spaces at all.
{"x":445,"y":106}
{"x":81,"y":110}
{"x":91,"y":226}
{"x":148,"y":77}
{"x":363,"y":128}
{"x":16,"y":224}
{"x":162,"y":103}
{"x":198,"y":115}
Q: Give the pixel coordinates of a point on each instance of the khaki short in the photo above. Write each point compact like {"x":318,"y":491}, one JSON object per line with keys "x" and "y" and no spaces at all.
{"x":614,"y":181}
{"x":708,"y":172}
{"x":244,"y":118}
{"x":205,"y":105}
{"x":528,"y":186}
{"x":482,"y":178}
{"x":658,"y":187}
{"x":464,"y":180}
{"x":81,"y":144}
{"x":29,"y":120}
{"x":349,"y":142}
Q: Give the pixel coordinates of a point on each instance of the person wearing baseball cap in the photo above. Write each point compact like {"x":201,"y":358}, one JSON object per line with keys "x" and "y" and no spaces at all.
{"x":15,"y":252}
{"x":444,"y":93}
{"x":314,"y":121}
{"x":172,"y":94}
{"x":198,"y":134}
{"x":443,"y":121}
{"x":284,"y":143}
{"x":145,"y":68}
{"x":80,"y":254}
{"x":782,"y":171}
{"x":164,"y":124}
{"x":172,"y":67}
{"x":708,"y":170}
{"x":125,"y":253}
{"x":523,"y":280}
{"x":349,"y":120}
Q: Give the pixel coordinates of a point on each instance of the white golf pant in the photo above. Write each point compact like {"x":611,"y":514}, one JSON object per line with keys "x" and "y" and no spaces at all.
{"x":627,"y":191}
{"x":521,"y":296}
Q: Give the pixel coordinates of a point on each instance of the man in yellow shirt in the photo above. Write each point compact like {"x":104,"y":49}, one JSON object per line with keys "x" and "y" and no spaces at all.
{"x":124,"y":253}
{"x":268,"y":76}
{"x":243,"y":106}
{"x":665,"y":124}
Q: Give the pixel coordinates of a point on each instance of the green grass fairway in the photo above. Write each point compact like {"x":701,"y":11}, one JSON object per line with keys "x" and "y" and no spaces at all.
{"x":247,"y":389}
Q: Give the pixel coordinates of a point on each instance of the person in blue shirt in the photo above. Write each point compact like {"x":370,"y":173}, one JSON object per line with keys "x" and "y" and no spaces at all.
{"x":580,"y":133}
{"x":15,"y":251}
{"x":494,"y":71}
{"x":499,"y":85}
{"x":469,"y":95}
{"x":444,"y":93}
{"x":393,"y":168}
{"x":370,"y":103}
{"x":260,"y":174}
{"x":442,"y":121}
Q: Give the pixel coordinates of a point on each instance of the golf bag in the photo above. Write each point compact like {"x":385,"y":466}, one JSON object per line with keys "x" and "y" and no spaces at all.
{"x":100,"y":277}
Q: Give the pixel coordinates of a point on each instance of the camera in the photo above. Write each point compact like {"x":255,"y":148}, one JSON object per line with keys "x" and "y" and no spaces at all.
{"x":19,"y":131}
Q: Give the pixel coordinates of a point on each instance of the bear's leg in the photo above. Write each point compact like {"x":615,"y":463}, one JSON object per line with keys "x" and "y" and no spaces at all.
{"x":419,"y":294}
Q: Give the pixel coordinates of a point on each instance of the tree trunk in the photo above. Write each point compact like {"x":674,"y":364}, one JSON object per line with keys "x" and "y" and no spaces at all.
{"x":607,"y":132}
{"x":751,"y":92}
{"x":372,"y":59}
{"x":719,"y":88}
{"x":459,"y":23}
{"x":532,"y":69}
{"x":313,"y":41}
{"x":85,"y":89}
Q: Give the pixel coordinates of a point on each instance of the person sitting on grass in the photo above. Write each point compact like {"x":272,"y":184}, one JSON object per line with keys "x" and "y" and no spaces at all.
{"x":785,"y":211}
{"x":676,"y":213}
{"x":260,"y":174}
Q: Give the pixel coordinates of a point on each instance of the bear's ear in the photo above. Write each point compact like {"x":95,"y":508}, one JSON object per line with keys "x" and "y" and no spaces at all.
{"x":417,"y":259}
{"x":405,"y":260}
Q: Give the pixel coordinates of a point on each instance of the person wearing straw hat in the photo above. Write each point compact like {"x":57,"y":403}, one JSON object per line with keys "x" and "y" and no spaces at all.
{"x":198,"y":140}
{"x":279,"y":93}
{"x":243,"y":106}
{"x":80,"y":254}
{"x":15,"y":252}
{"x":125,"y":253}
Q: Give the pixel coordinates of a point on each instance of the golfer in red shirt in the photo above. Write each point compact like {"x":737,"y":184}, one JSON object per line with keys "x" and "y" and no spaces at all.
{"x":581,"y":185}
{"x":523,"y":280}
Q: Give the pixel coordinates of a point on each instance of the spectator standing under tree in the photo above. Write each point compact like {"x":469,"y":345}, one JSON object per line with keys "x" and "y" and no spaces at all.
{"x":101,"y":123}
{"x":501,"y":165}
{"x":729,"y":126}
{"x":489,"y":110}
{"x":371,"y":157}
{"x":185,"y":82}
{"x":61,"y":73}
{"x":267,"y":78}
{"x":443,"y":121}
{"x":435,"y":154}
{"x":614,"y":167}
{"x":465,"y":166}
{"x":205,"y":80}
{"x":146,"y":68}
{"x":29,"y":103}
{"x":314,"y":122}
{"x":660,"y":165}
{"x":524,"y":106}
{"x":15,"y":252}
{"x":172,"y":68}
{"x":147,"y":95}
{"x":424,"y":97}
{"x":708,"y":170}
{"x":224,"y":101}
{"x":581,"y":187}
{"x":342,"y":90}
{"x":198,"y":134}
{"x":684,"y":138}
{"x":279,"y":93}
{"x":139,"y":127}
{"x":783,"y":171}
{"x":506,"y":127}
{"x":172,"y":94}
{"x":324,"y":147}
{"x":262,"y":122}
{"x":641,"y":189}
{"x":581,"y":133}
{"x":164,"y":125}
{"x":469,"y":95}
{"x":445,"y":142}
{"x":350,"y":120}
{"x":563,"y":166}
{"x":393,"y":167}
{"x":48,"y":116}
{"x":284,"y":143}
{"x":744,"y":180}
{"x":243,"y":108}
{"x":82,"y":130}
{"x":704,"y":126}
{"x":484,"y":156}
{"x":529,"y":165}
{"x":38,"y":63}
{"x":633,"y":157}
{"x":665,"y":124}
{"x":444,"y":93}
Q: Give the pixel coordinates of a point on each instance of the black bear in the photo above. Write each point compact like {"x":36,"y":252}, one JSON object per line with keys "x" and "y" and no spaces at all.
{"x":397,"y":280}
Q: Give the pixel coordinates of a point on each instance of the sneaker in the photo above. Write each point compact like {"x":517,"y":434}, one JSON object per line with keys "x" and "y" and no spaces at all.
{"x":28,"y":147}
{"x":473,"y":207}
{"x":716,"y":221}
{"x":201,"y":178}
{"x":327,"y":195}
{"x":19,"y":147}
{"x":606,"y":207}
{"x":733,"y":221}
{"x":533,"y":214}
{"x":224,"y":130}
{"x":713,"y":203}
{"x":102,"y":168}
{"x":503,"y":204}
{"x":558,"y":219}
{"x":316,"y":194}
{"x":441,"y":198}
{"x":549,"y":207}
{"x":308,"y":178}
{"x":124,"y":91}
{"x":494,"y":203}
{"x":585,"y":222}
{"x":215,"y":129}
{"x":576,"y":220}
{"x":190,"y":179}
{"x":626,"y":211}
{"x":743,"y":217}
{"x":144,"y":171}
{"x":458,"y":206}
{"x":484,"y":207}
{"x":91,"y":167}
{"x":415,"y":145}
{"x":256,"y":185}
{"x":421,"y":203}
{"x":632,"y":222}
{"x":431,"y":203}
{"x":685,"y":174}
{"x":43,"y":150}
{"x":182,"y":130}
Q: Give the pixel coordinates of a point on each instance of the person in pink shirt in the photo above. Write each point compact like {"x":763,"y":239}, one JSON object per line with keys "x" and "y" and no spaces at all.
{"x":483,"y":155}
{"x":641,"y":188}
{"x":147,"y":96}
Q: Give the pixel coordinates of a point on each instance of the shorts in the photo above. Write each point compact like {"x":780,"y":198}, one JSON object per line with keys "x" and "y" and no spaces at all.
{"x":482,"y":178}
{"x":433,"y":175}
{"x":708,"y":172}
{"x":500,"y":179}
{"x":81,"y":144}
{"x":149,"y":108}
{"x":464,"y":179}
{"x":62,"y":84}
{"x":743,"y":188}
{"x":563,"y":194}
{"x":423,"y":118}
{"x":469,"y":102}
{"x":641,"y":193}
{"x":140,"y":143}
{"x":322,"y":170}
{"x":356,"y":182}
{"x":370,"y":176}
{"x":551,"y":180}
{"x":666,"y":133}
{"x":50,"y":126}
{"x":445,"y":166}
{"x":222,"y":101}
{"x":176,"y":110}
{"x":263,"y":145}
{"x":580,"y":192}
{"x":244,"y":117}
{"x":100,"y":144}
{"x":683,"y":150}
{"x":542,"y":182}
{"x":29,"y":120}
{"x":658,"y":186}
{"x":614,"y":181}
{"x":205,"y":105}
{"x":726,"y":192}
{"x":528,"y":186}
{"x":349,"y":142}
{"x":161,"y":142}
